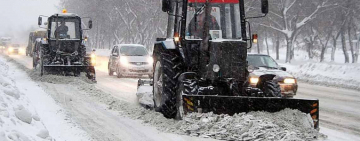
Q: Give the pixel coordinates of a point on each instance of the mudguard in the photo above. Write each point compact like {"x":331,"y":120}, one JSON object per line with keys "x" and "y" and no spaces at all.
{"x":263,"y":79}
{"x":167,"y":44}
{"x":44,"y":42}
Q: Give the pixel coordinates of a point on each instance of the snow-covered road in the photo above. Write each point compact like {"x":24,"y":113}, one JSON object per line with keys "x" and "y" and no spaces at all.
{"x":339,"y":108}
{"x":91,"y":108}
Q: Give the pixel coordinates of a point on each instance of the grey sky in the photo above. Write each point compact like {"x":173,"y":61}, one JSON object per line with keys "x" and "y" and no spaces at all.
{"x":18,"y":16}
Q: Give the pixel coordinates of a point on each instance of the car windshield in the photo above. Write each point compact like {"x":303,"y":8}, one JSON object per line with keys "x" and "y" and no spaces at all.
{"x":133,"y":51}
{"x":261,"y":61}
{"x":15,"y":45}
{"x":224,"y":20}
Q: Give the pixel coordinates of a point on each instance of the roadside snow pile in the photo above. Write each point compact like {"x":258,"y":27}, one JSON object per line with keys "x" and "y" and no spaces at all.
{"x":18,"y":120}
{"x":145,"y":97}
{"x":284,"y":125}
{"x":340,"y":75}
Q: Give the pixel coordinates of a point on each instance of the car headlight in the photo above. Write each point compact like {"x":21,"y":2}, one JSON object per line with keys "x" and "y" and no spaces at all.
{"x":289,"y":81}
{"x":22,"y":50}
{"x":124,"y":61}
{"x":10,"y":49}
{"x":150,"y":60}
{"x":93,"y":59}
{"x":254,"y":80}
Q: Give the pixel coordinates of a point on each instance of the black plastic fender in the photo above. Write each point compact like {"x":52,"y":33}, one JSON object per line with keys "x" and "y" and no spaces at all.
{"x":263,"y":79}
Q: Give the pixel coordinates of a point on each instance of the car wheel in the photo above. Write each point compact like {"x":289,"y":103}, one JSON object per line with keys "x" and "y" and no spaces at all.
{"x":111,"y":73}
{"x":118,"y":74}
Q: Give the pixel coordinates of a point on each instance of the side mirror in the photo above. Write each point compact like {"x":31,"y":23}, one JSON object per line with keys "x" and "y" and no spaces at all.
{"x":40,"y":21}
{"x":46,"y":23}
{"x":94,"y":50}
{"x":265,"y":6}
{"x":90,"y":24}
{"x":166,"y":5}
{"x":283,"y":68}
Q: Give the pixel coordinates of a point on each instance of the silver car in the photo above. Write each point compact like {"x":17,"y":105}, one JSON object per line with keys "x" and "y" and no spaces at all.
{"x":130,"y":60}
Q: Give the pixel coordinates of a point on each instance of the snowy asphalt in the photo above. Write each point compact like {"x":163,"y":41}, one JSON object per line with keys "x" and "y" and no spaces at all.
{"x":339,"y":108}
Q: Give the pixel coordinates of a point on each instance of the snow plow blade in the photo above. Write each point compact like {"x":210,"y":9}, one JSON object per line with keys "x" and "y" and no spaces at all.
{"x":238,"y":104}
{"x":63,"y":69}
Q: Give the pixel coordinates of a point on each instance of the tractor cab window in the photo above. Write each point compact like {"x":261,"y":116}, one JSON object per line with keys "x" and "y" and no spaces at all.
{"x":223,"y":21}
{"x":65,"y":29}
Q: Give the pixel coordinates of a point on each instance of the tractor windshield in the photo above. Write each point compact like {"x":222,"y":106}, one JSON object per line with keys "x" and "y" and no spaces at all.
{"x":65,"y":28}
{"x":224,"y":19}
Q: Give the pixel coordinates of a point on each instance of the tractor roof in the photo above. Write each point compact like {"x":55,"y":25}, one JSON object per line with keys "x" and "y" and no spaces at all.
{"x":66,"y":15}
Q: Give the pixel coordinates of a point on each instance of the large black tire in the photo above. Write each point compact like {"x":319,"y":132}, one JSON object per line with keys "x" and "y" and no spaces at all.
{"x":167,"y":69}
{"x":111,"y":73}
{"x":272,"y":89}
{"x":42,"y":62}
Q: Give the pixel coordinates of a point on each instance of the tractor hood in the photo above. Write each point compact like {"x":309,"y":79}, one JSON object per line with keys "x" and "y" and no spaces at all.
{"x":279,"y":73}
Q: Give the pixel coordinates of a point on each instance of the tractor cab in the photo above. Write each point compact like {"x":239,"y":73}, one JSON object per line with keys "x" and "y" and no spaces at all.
{"x":65,"y":30}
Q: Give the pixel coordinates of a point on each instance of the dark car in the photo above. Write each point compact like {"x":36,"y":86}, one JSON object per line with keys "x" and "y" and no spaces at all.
{"x":263,"y":64}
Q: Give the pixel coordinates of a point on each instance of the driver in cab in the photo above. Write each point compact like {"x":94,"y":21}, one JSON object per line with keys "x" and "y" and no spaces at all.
{"x":197,"y":29}
{"x":61,"y":31}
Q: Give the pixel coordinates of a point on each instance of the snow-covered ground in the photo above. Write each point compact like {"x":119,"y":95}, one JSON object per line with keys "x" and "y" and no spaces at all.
{"x":27,"y":113}
{"x":109,"y":110}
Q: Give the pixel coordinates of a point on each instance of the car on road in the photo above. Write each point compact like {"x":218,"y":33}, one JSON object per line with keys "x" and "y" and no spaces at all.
{"x":260,"y":64}
{"x":15,"y":49}
{"x":130,"y":60}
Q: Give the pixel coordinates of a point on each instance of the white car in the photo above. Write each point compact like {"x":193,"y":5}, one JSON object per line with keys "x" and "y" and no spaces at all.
{"x":130,"y":60}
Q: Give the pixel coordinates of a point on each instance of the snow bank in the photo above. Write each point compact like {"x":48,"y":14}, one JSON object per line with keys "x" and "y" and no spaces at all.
{"x":16,"y":112}
{"x":27,"y":113}
{"x":145,"y":97}
{"x":331,"y":74}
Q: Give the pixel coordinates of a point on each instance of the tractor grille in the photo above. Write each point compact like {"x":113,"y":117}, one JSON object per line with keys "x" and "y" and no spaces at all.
{"x":138,"y":70}
{"x":231,"y":57}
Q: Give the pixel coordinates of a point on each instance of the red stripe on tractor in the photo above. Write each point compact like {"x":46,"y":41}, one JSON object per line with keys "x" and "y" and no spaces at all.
{"x":214,"y":1}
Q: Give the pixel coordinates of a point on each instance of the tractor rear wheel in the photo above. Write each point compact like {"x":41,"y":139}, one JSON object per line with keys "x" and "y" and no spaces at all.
{"x":272,"y":89}
{"x":166,"y":72}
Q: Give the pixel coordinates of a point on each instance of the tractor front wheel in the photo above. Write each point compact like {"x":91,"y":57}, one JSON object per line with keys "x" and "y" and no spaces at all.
{"x":166,"y":72}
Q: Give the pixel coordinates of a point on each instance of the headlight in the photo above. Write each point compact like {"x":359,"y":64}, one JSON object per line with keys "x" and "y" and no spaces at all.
{"x":93,"y":59}
{"x":216,"y":68}
{"x":22,"y":50}
{"x":150,"y":60}
{"x":289,"y":80}
{"x":254,"y":80}
{"x":124,"y":61}
{"x":10,"y":49}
